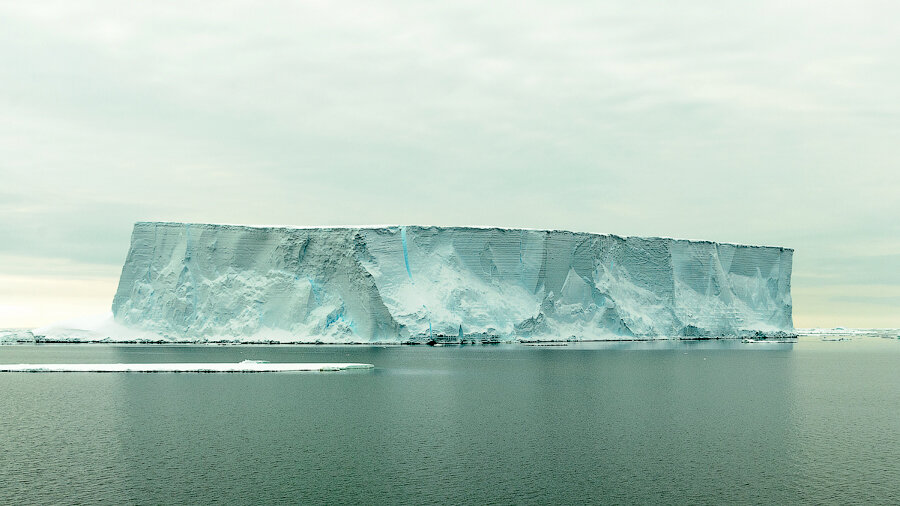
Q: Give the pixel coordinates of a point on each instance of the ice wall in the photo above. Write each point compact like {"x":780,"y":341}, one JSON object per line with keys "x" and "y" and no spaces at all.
{"x":398,"y":284}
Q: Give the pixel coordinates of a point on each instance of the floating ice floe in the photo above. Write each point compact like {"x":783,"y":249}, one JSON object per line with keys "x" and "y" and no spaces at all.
{"x":245,"y":366}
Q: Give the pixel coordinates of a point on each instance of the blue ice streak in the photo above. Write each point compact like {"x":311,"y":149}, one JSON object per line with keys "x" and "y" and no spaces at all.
{"x":405,"y":252}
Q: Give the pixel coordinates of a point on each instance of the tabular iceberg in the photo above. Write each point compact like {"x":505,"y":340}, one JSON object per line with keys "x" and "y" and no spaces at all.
{"x":201,"y":282}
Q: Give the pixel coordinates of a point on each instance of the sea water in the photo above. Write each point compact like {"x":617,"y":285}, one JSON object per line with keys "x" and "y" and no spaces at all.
{"x":676,"y":422}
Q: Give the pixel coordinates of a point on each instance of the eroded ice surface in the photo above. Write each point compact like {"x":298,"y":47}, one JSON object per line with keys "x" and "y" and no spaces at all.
{"x":199,"y":282}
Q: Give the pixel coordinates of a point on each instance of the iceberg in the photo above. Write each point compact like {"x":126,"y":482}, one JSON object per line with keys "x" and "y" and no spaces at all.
{"x":12,"y":336}
{"x":418,"y":284}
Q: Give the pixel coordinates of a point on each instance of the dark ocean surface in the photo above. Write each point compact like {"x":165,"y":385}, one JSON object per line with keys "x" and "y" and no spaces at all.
{"x":695,"y":422}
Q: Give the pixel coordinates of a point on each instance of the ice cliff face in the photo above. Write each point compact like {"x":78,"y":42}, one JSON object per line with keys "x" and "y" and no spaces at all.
{"x":400,"y":284}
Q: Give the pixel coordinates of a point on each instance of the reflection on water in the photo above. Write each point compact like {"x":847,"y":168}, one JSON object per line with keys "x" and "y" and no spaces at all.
{"x":674,"y":421}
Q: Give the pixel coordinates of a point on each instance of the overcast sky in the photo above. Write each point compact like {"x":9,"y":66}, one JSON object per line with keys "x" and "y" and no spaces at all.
{"x":765,"y":122}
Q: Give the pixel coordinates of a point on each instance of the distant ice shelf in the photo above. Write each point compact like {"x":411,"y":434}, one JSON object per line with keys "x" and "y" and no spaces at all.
{"x":186,"y":282}
{"x":245,"y":366}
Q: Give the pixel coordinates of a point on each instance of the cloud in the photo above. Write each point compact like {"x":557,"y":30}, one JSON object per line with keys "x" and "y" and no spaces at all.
{"x":756,"y":123}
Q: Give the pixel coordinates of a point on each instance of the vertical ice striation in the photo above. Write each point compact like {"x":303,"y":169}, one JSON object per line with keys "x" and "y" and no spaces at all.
{"x":203,"y":282}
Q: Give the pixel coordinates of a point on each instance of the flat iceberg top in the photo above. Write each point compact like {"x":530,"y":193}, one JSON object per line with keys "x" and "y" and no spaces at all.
{"x":437,"y":228}
{"x":244,"y":366}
